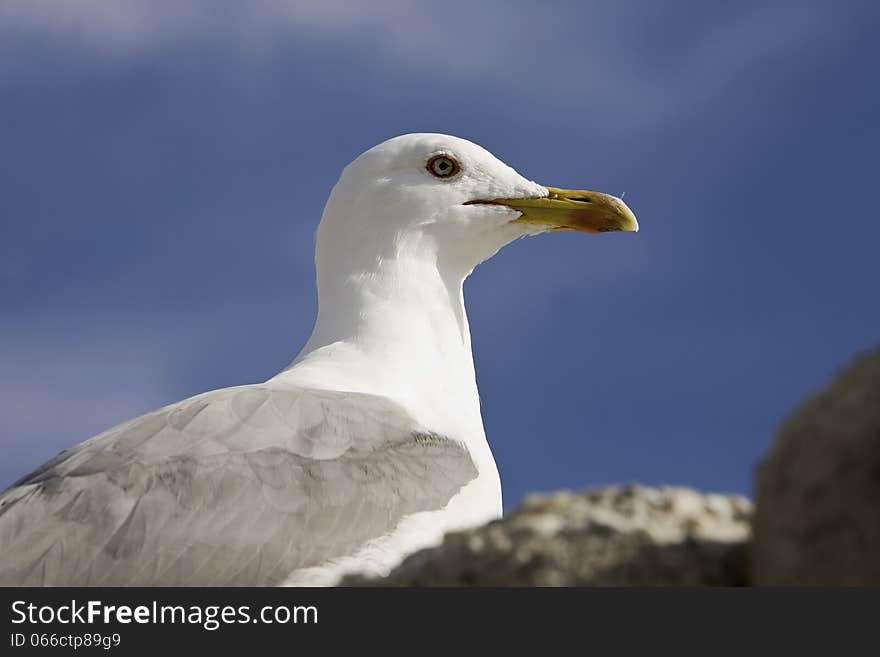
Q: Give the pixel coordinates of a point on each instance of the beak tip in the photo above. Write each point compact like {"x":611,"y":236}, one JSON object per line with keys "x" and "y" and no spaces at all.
{"x":631,"y":224}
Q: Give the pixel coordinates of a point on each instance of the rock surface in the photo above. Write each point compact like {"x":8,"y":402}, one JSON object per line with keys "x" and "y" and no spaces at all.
{"x":817,"y":518}
{"x":621,"y":535}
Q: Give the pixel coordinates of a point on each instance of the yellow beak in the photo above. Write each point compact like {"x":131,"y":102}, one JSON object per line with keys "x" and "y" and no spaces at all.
{"x":572,"y":209}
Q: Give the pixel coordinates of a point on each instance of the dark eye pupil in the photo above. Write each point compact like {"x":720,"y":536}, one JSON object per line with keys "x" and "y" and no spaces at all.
{"x":442,"y":166}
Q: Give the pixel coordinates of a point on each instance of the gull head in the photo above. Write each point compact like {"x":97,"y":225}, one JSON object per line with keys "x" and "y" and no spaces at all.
{"x":453,"y":199}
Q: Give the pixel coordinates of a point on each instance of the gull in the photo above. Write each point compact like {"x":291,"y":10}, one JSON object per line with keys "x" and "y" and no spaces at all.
{"x":368,"y":446}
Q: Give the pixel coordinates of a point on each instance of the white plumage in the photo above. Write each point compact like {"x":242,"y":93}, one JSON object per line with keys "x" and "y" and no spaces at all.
{"x":368,"y":446}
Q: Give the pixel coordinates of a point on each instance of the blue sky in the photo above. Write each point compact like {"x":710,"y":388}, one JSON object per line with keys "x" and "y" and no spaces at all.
{"x":164,"y":166}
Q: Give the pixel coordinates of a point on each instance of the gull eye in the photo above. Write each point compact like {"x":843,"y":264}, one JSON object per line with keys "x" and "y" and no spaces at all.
{"x":443,"y":166}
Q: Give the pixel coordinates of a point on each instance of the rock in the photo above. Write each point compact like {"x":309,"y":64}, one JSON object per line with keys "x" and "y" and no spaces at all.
{"x":621,"y":535}
{"x":817,"y":517}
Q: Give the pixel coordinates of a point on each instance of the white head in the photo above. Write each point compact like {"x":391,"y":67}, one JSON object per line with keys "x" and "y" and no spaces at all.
{"x":444,"y":195}
{"x":404,"y":226}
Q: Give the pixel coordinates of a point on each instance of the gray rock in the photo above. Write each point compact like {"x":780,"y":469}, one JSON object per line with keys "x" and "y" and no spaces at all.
{"x":621,"y":535}
{"x":817,"y":517}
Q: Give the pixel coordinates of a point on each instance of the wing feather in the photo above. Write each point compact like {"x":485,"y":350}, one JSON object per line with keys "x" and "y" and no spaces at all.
{"x":237,"y":486}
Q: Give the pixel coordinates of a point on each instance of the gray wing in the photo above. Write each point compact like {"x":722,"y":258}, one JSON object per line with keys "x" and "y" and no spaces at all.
{"x":239,"y":486}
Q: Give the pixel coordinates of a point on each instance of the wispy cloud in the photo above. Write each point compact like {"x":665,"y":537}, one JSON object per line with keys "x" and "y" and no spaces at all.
{"x":56,"y":392}
{"x":600,"y":64}
{"x":95,"y":367}
{"x":133,"y":27}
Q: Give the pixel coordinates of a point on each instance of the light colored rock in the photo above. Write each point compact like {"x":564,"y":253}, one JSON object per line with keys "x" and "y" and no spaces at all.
{"x":620,"y":535}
